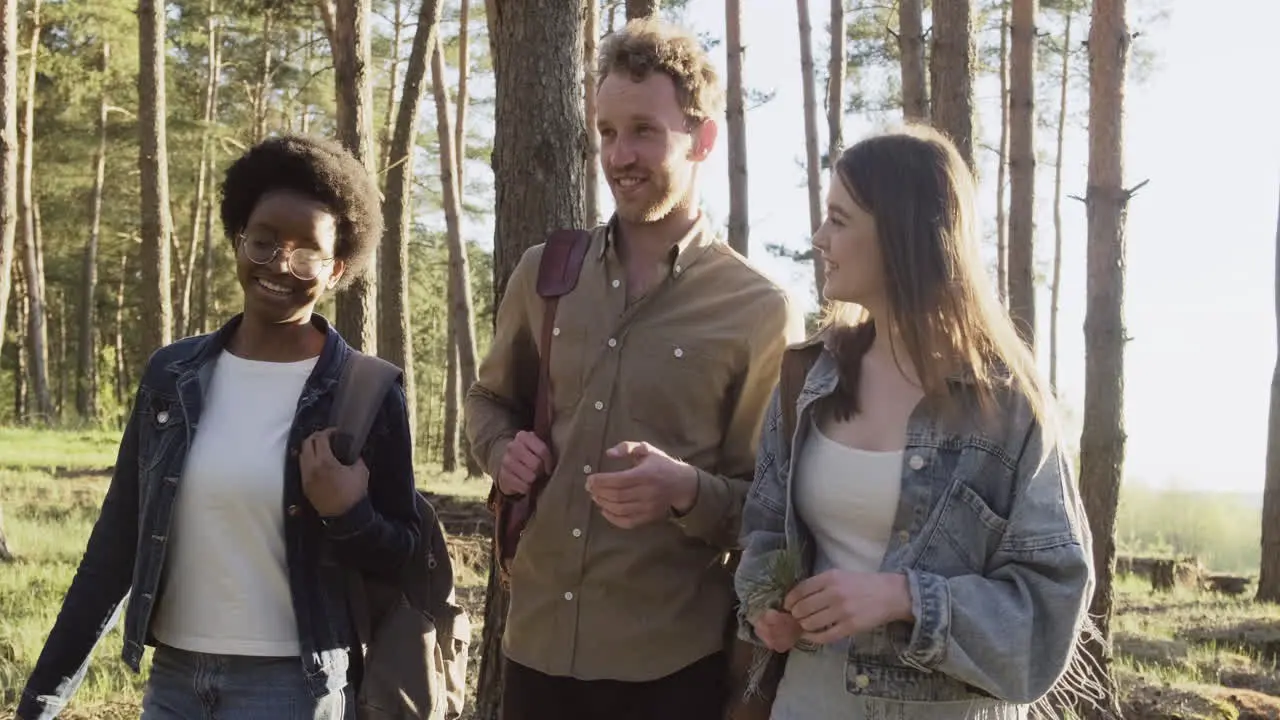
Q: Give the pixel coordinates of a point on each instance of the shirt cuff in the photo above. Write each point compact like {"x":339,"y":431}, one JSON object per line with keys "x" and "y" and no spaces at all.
{"x":931,"y":606}
{"x":352,"y":522}
{"x":710,"y":508}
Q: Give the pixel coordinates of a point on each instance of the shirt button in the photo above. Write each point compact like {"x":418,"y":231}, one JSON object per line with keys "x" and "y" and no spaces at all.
{"x":613,"y":342}
{"x":568,"y":596}
{"x":577,"y":532}
{"x":678,"y":352}
{"x":916,"y":462}
{"x":617,"y":283}
{"x":555,"y":331}
{"x":294,"y":510}
{"x":586,"y":469}
{"x":904,"y":536}
{"x":599,"y":405}
{"x":862,"y":681}
{"x":679,"y":269}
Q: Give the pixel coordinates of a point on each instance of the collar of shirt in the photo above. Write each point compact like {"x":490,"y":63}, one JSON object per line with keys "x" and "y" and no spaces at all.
{"x":684,"y":253}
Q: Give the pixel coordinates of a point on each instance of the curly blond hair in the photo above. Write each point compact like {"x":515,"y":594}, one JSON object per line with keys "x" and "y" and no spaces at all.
{"x":646,"y":46}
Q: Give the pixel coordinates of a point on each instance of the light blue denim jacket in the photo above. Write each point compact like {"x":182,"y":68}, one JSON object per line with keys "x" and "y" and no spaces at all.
{"x":991,"y":535}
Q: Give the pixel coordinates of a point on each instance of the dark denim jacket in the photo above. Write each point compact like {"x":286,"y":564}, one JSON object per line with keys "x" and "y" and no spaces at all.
{"x":991,"y":534}
{"x":126,"y":550}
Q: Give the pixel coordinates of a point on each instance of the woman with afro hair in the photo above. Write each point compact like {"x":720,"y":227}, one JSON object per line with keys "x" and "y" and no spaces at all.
{"x":229,"y":525}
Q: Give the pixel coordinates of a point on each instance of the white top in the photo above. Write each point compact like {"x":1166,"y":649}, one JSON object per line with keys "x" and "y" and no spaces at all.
{"x":226,"y":589}
{"x":848,"y":499}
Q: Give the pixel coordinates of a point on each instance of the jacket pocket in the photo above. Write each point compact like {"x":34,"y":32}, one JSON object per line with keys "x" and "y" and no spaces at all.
{"x":968,"y":532}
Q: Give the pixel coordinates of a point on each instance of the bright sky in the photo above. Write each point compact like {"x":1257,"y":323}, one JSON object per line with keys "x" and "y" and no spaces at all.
{"x":1201,"y":263}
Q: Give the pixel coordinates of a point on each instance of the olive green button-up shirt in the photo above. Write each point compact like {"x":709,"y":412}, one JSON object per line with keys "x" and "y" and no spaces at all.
{"x":688,"y":368}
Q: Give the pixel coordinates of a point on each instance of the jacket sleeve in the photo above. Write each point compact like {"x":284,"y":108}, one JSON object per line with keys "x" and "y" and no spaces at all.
{"x":762,"y":536}
{"x":1041,"y":574}
{"x":716,"y":514}
{"x":91,"y":605}
{"x":501,"y":401}
{"x":380,"y":533}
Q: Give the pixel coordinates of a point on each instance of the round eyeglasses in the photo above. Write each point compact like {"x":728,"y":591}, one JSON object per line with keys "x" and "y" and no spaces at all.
{"x":304,"y":263}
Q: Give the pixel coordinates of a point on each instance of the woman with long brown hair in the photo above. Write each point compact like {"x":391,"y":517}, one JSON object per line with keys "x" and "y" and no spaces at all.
{"x":925,"y":499}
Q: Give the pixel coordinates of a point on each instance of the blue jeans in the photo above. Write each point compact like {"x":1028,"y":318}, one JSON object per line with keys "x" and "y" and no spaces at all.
{"x":187,"y":685}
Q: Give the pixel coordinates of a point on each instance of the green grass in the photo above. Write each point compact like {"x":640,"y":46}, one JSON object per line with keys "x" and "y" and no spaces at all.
{"x":76,"y":450}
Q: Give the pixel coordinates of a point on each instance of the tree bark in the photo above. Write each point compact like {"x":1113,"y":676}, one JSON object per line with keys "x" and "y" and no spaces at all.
{"x":1002,"y":221}
{"x":121,"y":374}
{"x":1022,"y":170}
{"x":1102,"y":443}
{"x":736,"y":119}
{"x":86,"y":362}
{"x":153,"y":165}
{"x":951,"y":66}
{"x":464,"y":99}
{"x":836,"y":70}
{"x":452,"y":391}
{"x":397,"y":331}
{"x":812,"y":169}
{"x":591,"y":171}
{"x":915,"y":90}
{"x":357,"y":307}
{"x":539,"y":145}
{"x":643,"y":8}
{"x":8,"y":153}
{"x":388,"y":120}
{"x":1269,"y":577}
{"x":460,"y":150}
{"x":37,"y":323}
{"x":263,"y":96}
{"x":186,"y":322}
{"x":1056,"y":289}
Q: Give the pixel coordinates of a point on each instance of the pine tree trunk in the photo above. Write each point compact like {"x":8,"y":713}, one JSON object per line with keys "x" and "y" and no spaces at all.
{"x":452,"y":393}
{"x":206,"y":254}
{"x":153,"y":164}
{"x":836,"y":70}
{"x":1269,"y":577}
{"x":397,"y":331}
{"x":1056,"y":290}
{"x":1102,"y":443}
{"x":464,"y":73}
{"x":22,"y":366}
{"x":121,"y":374}
{"x":356,"y":307}
{"x":8,"y":153}
{"x":813,"y":172}
{"x":86,"y":364}
{"x":915,"y":90}
{"x":539,"y":133}
{"x":459,"y":440}
{"x":186,"y":323}
{"x":1022,"y":169}
{"x":951,"y":67}
{"x":1002,"y":221}
{"x":736,"y":119}
{"x":37,"y":323}
{"x":263,"y":99}
{"x":388,"y":120}
{"x":460,"y":305}
{"x":591,"y":172}
{"x":642,"y":8}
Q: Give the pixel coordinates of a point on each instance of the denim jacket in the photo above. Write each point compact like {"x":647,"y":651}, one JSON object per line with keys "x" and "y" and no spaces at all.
{"x":990,"y":533}
{"x":126,"y":550}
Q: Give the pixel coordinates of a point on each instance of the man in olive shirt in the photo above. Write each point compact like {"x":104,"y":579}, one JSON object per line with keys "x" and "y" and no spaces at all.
{"x":663,"y":360}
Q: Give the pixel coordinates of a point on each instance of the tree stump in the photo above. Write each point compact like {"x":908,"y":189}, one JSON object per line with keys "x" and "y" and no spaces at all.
{"x":1228,"y":584}
{"x":1162,"y":575}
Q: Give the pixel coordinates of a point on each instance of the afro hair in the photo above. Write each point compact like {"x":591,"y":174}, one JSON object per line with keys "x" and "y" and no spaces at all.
{"x":318,"y":168}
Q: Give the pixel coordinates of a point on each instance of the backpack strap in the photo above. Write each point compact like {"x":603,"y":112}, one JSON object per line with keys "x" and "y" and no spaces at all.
{"x":363,"y":384}
{"x":558,"y":271}
{"x":796,"y":363}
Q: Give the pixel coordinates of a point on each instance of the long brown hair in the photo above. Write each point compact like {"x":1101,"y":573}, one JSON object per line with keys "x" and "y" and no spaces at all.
{"x":940,"y":300}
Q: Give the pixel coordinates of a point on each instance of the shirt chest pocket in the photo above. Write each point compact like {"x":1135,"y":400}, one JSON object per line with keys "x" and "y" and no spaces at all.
{"x":967,"y":533}
{"x":676,"y":393}
{"x":161,"y":434}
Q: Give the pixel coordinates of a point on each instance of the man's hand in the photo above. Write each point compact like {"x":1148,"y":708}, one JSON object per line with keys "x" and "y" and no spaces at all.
{"x":779,"y":631}
{"x":332,"y":488}
{"x":524,"y":457}
{"x":655,"y":484}
{"x":838,"y":603}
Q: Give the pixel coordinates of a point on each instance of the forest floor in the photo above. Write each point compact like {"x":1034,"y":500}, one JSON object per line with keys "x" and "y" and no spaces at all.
{"x":1181,"y":655}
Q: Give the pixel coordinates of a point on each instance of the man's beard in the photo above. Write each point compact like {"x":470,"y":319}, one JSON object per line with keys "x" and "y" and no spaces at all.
{"x":669,"y":196}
